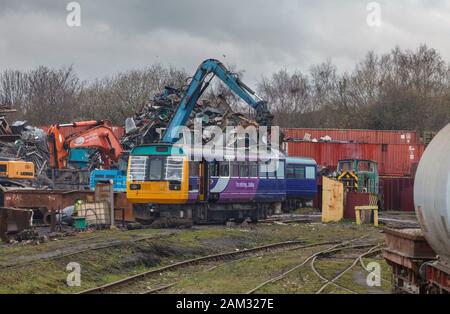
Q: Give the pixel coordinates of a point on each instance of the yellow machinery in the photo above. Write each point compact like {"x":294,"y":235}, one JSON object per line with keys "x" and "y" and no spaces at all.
{"x":16,"y":169}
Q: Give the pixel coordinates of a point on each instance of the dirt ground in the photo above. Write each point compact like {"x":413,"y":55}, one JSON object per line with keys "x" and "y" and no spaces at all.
{"x":109,"y":255}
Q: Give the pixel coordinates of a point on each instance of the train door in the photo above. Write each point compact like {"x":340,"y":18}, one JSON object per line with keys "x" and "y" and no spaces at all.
{"x":203,"y":181}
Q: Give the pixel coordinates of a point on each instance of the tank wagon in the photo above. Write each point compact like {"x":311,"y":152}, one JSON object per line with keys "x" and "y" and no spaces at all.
{"x":416,"y":268}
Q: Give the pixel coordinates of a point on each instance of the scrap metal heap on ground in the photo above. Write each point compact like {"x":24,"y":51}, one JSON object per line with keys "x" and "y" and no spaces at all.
{"x":23,"y":142}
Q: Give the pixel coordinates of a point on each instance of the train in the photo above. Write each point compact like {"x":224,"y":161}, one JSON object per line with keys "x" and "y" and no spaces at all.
{"x":420,"y":258}
{"x":164,"y":181}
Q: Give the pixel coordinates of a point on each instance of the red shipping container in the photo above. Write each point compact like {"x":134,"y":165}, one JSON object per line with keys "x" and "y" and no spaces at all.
{"x":358,"y":136}
{"x":398,"y":193}
{"x":353,"y":199}
{"x":392,"y":159}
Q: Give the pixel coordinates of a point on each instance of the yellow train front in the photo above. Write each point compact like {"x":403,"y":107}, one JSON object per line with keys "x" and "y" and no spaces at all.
{"x":157,"y":174}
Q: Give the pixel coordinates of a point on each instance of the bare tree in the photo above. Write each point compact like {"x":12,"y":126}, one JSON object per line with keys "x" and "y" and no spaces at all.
{"x":120,"y":96}
{"x":402,"y":89}
{"x":288,"y":96}
{"x":13,"y":89}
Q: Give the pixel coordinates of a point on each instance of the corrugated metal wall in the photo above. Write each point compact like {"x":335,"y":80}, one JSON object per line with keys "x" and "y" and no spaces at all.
{"x":392,"y":159}
{"x":398,"y":193}
{"x":397,"y":153}
{"x":360,"y":136}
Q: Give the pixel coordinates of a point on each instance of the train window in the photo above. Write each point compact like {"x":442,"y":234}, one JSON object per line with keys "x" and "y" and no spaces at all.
{"x":174,"y":169}
{"x":162,"y":149}
{"x":290,"y":173}
{"x":253,"y":169}
{"x":345,"y":166}
{"x":365,"y":166}
{"x":224,"y":169}
{"x":193,"y":169}
{"x":299,"y":172}
{"x":272,"y":174}
{"x":138,"y":168}
{"x":234,"y":169}
{"x":280,"y":169}
{"x":214,"y":169}
{"x":272,"y":169}
{"x":156,"y":168}
{"x":310,"y":173}
{"x":263,"y":171}
{"x":3,"y":168}
{"x":155,"y":172}
{"x":243,"y":170}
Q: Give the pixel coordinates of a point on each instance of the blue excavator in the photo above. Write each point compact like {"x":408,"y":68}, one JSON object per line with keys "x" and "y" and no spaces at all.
{"x":200,"y":81}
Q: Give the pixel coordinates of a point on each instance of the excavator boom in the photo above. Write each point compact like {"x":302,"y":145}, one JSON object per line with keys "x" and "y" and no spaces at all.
{"x":198,"y":85}
{"x":98,"y":136}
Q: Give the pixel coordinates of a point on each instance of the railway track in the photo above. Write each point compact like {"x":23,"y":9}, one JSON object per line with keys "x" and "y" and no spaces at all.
{"x":372,"y":250}
{"x":325,"y":280}
{"x":128,"y":284}
{"x":335,"y":248}
{"x":94,"y":247}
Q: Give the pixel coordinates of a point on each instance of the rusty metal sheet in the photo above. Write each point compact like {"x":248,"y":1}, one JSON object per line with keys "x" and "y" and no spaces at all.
{"x":408,"y":243}
{"x":355,"y":199}
{"x":49,"y":199}
{"x":54,"y":200}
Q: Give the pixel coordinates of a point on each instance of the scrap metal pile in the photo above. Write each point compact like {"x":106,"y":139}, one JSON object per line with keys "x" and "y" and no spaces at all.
{"x":146,"y":126}
{"x":24,"y":142}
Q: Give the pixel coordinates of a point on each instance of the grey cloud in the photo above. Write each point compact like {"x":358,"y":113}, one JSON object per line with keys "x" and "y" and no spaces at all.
{"x":258,"y":36}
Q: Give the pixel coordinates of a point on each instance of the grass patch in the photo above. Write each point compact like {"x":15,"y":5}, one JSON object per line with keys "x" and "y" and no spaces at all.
{"x":106,"y":265}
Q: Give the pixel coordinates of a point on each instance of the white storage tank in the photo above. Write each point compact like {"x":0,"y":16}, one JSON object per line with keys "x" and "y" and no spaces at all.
{"x":432,"y":194}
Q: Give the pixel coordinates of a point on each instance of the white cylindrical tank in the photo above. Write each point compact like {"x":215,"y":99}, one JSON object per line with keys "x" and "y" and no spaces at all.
{"x":432,"y":193}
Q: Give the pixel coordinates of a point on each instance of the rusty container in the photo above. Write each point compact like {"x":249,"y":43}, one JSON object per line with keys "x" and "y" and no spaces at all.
{"x":393,"y":159}
{"x":359,"y":136}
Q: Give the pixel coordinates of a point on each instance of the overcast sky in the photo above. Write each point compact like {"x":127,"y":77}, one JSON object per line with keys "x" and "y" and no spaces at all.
{"x":259,"y":36}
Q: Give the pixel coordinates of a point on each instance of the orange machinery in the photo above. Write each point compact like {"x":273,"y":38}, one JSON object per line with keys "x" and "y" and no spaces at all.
{"x":93,"y":134}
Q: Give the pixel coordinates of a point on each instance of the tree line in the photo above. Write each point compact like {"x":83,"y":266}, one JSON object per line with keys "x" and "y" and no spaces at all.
{"x":401,"y":89}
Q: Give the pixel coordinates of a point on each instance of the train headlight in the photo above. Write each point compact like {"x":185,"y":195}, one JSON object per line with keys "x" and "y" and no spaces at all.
{"x":135,"y":187}
{"x":174,"y":186}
